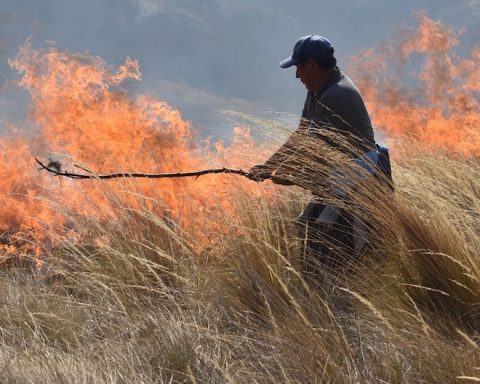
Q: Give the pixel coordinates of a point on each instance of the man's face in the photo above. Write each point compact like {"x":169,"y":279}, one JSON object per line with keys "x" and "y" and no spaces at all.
{"x":311,"y":75}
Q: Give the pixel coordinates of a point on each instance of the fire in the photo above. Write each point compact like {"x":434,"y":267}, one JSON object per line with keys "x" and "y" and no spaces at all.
{"x":439,"y":107}
{"x":81,"y":108}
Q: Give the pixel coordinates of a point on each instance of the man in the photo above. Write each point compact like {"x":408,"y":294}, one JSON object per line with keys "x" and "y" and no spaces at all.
{"x":333,"y":108}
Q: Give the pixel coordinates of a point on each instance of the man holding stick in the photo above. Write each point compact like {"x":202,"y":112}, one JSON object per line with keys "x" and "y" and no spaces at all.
{"x":334,"y":133}
{"x":333,"y":109}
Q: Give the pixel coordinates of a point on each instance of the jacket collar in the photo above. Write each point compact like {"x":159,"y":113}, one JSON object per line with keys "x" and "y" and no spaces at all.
{"x":334,"y":78}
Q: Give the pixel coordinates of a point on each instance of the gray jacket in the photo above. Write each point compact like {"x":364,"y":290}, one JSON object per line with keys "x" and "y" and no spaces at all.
{"x":340,"y":107}
{"x":337,"y":107}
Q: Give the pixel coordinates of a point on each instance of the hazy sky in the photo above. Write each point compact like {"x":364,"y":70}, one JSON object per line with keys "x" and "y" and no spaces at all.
{"x":203,"y":56}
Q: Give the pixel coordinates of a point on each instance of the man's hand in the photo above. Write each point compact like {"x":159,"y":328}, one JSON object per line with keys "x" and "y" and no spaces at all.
{"x":260,"y":172}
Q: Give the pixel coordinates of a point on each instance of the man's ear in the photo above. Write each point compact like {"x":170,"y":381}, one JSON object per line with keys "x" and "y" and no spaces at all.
{"x":312,"y":64}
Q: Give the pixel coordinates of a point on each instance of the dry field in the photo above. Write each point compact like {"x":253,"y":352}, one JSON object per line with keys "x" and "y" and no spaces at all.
{"x":203,"y":281}
{"x":149,"y":305}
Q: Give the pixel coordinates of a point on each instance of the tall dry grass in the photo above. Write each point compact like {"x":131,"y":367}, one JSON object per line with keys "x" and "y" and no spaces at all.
{"x":145,"y":307}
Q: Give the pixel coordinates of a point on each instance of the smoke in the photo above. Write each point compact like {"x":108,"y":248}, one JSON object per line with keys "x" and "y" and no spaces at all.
{"x":228,"y":49}
{"x":205,"y":57}
{"x":475,"y":7}
{"x":149,"y":8}
{"x":82,"y":103}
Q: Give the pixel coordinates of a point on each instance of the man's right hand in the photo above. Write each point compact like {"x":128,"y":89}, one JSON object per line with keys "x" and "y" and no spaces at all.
{"x":260,"y":172}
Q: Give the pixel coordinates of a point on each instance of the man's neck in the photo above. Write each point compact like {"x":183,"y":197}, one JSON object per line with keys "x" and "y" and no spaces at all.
{"x":324,"y":80}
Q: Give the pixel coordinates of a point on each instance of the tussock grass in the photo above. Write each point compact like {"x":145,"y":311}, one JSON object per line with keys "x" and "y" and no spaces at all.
{"x":146,"y":306}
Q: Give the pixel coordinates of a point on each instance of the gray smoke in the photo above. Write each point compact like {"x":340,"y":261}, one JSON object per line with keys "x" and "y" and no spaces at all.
{"x":206,"y":56}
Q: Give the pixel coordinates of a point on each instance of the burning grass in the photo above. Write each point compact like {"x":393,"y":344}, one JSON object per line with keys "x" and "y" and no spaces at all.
{"x":203,"y":280}
{"x":144,"y":307}
{"x":83,"y":113}
{"x":418,"y":85}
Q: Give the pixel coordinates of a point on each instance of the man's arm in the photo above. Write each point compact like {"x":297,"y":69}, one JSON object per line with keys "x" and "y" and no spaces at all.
{"x":289,"y":148}
{"x":264,"y":171}
{"x":324,"y":124}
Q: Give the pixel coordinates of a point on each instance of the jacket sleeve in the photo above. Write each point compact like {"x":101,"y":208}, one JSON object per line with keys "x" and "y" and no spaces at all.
{"x":289,"y":148}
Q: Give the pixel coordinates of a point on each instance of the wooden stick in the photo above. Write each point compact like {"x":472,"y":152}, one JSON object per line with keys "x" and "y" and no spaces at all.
{"x":58,"y":172}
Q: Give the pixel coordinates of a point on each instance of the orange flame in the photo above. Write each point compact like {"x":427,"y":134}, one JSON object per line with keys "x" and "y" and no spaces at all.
{"x":440,"y":106}
{"x":80,"y":108}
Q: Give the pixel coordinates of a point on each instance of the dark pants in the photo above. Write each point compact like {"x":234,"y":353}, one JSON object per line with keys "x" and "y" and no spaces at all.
{"x":326,"y":233}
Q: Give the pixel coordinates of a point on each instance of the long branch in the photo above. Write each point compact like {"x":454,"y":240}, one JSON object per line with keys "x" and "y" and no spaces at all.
{"x":72,"y":175}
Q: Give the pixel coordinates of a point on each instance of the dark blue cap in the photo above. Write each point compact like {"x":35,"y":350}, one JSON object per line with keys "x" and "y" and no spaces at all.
{"x":309,"y":47}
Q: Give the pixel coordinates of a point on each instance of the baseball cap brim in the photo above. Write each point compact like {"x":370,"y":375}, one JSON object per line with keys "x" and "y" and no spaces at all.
{"x":288,"y":62}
